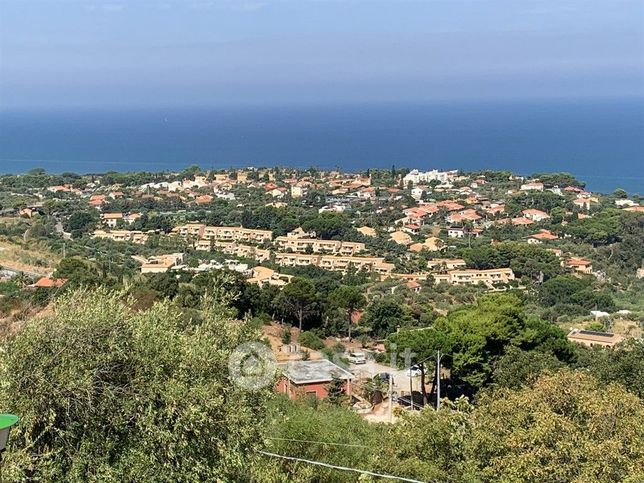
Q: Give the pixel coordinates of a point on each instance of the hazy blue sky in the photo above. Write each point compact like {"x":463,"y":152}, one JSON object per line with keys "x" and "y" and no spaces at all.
{"x":195,"y":52}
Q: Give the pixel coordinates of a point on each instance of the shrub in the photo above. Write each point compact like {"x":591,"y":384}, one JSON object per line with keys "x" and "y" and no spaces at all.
{"x":311,"y":340}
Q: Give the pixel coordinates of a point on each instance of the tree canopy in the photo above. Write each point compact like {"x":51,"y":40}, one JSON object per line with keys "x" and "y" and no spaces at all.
{"x":109,"y":394}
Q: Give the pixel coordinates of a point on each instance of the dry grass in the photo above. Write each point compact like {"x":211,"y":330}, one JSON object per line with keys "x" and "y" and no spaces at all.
{"x":37,"y":258}
{"x":621,"y":326}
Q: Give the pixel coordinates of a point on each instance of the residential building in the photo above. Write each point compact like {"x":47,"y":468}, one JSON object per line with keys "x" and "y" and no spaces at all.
{"x":47,"y":282}
{"x":195,"y":230}
{"x":532,"y":186}
{"x":224,"y":233}
{"x":298,"y":191}
{"x":234,"y":249}
{"x":203,"y":199}
{"x":334,"y":263}
{"x":518,"y":221}
{"x":418,"y":214}
{"x":463,"y":216}
{"x":302,"y":245}
{"x":625,"y":202}
{"x":450,"y":205}
{"x":472,"y":277}
{"x":543,"y":235}
{"x":411,"y":228}
{"x":162,"y":263}
{"x":112,"y":219}
{"x":582,"y":203}
{"x":265,"y":276}
{"x":535,"y":215}
{"x":413,"y":286}
{"x":456,"y":232}
{"x":580,"y":265}
{"x":494,"y":209}
{"x":415,"y":177}
{"x":132,"y":236}
{"x":444,"y":264}
{"x":300,"y":233}
{"x":593,"y":338}
{"x":311,"y":378}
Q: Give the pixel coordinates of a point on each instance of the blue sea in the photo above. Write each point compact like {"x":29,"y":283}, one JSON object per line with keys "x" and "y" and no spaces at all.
{"x":602,"y":142}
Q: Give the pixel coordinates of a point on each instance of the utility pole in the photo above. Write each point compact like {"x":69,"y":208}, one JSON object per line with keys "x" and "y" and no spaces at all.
{"x":411,"y":391}
{"x":391,"y":401}
{"x":438,"y":380}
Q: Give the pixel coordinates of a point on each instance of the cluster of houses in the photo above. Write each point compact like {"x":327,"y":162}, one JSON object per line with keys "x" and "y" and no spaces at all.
{"x":467,"y":215}
{"x":327,"y":254}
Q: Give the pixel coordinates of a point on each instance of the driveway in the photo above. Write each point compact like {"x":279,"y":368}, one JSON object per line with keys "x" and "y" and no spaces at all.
{"x":371,"y":368}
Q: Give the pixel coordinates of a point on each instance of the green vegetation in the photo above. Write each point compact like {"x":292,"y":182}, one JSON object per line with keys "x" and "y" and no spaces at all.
{"x":109,"y":394}
{"x":120,"y":375}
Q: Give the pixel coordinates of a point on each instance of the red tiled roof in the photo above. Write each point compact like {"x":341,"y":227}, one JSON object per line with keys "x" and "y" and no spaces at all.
{"x":46,"y":282}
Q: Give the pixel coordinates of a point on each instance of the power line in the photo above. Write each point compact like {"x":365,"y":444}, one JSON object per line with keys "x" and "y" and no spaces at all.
{"x":321,"y":442}
{"x":342,"y":468}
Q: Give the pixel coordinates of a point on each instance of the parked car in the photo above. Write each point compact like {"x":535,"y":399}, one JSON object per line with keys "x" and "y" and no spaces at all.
{"x":416,"y":397}
{"x":384,"y":377}
{"x":357,"y":358}
{"x":414,"y":371}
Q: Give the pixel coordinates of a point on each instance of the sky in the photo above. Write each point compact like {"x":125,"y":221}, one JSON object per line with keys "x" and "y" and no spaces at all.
{"x":115,"y":53}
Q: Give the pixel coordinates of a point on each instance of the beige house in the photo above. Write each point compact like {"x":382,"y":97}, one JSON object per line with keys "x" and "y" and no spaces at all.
{"x":580,"y":265}
{"x":162,"y":263}
{"x":592,"y":338}
{"x":472,"y":277}
{"x":535,"y":215}
{"x":265,"y":276}
{"x":298,"y":191}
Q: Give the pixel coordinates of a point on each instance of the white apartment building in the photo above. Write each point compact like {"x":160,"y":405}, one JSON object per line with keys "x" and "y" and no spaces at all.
{"x":417,"y":177}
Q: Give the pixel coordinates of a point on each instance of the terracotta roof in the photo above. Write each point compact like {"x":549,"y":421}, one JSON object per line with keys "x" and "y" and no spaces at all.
{"x":544,"y":235}
{"x":46,"y":282}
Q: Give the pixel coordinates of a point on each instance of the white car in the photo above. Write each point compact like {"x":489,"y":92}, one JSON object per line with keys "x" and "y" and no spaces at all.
{"x":414,"y":371}
{"x":357,"y":358}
